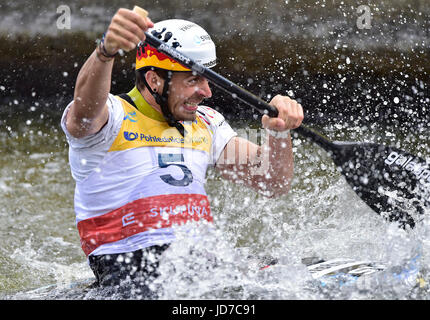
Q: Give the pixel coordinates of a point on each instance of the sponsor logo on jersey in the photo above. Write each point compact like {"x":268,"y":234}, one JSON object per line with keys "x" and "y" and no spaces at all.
{"x":131,"y":136}
{"x":131,"y":116}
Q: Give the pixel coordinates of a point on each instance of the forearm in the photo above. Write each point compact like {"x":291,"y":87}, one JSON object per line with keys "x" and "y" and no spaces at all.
{"x":91,"y":92}
{"x":89,"y":113}
{"x":276,"y":165}
{"x":268,"y":168}
{"x":93,"y":85}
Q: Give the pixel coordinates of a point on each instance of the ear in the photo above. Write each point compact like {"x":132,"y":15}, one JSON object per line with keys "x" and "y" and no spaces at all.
{"x":154,"y":80}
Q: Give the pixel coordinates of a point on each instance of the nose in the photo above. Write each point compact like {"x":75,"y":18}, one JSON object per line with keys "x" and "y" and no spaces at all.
{"x":204,"y":89}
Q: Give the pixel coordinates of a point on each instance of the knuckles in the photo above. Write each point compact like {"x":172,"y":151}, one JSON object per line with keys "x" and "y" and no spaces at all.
{"x":290,"y":111}
{"x":121,"y":11}
{"x":285,"y":104}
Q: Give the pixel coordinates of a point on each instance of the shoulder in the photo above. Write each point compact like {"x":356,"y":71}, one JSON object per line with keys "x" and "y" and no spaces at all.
{"x":222,"y":132}
{"x":210,"y":116}
{"x":114,"y":121}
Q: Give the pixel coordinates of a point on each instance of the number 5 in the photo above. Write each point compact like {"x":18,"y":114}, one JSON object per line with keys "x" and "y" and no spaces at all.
{"x":163,"y":162}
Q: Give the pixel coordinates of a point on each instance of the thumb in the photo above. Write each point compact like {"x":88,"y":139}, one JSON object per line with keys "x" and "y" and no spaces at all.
{"x":265,"y":121}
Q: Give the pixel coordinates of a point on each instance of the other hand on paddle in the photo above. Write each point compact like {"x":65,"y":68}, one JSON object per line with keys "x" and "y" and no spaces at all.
{"x":290,"y":114}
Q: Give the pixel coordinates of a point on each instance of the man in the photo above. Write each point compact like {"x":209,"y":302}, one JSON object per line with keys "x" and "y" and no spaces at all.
{"x":140,"y":159}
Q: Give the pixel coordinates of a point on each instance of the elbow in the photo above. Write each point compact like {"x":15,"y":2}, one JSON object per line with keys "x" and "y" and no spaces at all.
{"x":78,"y":125}
{"x":279,"y":185}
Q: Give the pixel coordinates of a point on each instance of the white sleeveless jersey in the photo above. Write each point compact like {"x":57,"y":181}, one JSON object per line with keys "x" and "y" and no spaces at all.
{"x":145,"y":181}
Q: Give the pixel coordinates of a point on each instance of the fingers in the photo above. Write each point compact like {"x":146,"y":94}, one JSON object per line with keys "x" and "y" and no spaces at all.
{"x":125,"y":31}
{"x":290,"y":114}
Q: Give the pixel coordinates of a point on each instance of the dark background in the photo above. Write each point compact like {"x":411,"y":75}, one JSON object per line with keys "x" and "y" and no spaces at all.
{"x":311,"y":50}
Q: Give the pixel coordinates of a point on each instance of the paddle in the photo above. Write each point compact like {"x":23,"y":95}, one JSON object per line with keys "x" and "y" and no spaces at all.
{"x":392,"y":182}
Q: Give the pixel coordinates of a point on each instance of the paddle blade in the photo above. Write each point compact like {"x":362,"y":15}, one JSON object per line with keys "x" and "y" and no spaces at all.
{"x":394,"y":183}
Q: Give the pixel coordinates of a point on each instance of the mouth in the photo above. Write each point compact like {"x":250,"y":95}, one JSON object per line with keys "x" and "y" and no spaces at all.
{"x":191,"y":107}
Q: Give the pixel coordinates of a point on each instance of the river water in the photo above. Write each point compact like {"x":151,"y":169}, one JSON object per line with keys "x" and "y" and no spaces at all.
{"x":320,"y":217}
{"x":355,"y":85}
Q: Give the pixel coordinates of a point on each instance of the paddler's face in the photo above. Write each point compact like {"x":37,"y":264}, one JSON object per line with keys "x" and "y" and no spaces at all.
{"x":186,"y":92}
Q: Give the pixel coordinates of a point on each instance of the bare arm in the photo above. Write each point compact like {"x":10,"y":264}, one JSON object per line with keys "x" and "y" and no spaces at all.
{"x":268,"y":168}
{"x":88,"y":113}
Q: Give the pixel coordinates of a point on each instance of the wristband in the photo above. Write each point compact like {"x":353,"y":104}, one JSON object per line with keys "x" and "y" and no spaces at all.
{"x":278,"y":134}
{"x":101,"y":56}
{"x":102,"y":49}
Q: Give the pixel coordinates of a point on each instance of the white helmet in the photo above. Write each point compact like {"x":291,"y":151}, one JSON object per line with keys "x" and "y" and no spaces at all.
{"x":184,"y":36}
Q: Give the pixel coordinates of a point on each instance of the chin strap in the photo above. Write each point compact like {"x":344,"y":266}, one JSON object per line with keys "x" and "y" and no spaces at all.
{"x":162,"y":101}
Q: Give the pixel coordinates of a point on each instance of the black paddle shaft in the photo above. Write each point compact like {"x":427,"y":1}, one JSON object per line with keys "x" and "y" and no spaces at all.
{"x":392,"y":182}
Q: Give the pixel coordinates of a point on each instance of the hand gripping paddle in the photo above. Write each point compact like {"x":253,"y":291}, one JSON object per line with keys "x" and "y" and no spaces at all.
{"x":394,"y":183}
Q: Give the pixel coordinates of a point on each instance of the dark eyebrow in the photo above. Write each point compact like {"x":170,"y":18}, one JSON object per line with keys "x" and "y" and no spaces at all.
{"x":193,"y":76}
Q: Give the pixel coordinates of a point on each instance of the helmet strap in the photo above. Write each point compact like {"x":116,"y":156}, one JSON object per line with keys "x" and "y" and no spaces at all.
{"x":162,"y":101}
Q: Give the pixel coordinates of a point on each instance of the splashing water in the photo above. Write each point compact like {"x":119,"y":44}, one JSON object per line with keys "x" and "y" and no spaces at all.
{"x":321,"y":217}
